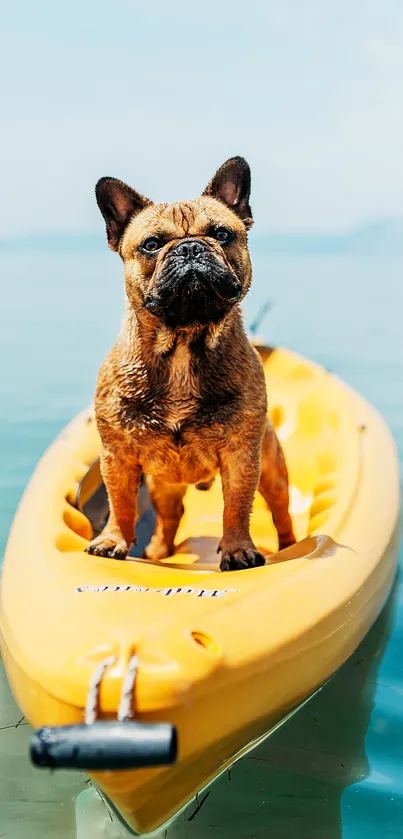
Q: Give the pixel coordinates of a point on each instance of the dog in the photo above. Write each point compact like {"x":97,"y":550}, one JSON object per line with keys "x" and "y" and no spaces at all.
{"x":182,"y":395}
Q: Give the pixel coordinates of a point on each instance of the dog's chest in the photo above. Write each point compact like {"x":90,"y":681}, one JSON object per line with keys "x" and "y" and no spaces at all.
{"x":182,"y":393}
{"x":178,"y":455}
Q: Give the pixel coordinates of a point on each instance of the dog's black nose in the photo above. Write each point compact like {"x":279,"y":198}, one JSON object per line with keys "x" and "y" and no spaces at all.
{"x":190,"y":249}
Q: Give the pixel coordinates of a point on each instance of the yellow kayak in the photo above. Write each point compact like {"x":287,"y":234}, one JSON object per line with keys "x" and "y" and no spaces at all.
{"x":156,"y":676}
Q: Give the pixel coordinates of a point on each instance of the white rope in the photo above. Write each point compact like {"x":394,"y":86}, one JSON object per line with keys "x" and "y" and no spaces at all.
{"x":92,"y":703}
{"x":125,"y":710}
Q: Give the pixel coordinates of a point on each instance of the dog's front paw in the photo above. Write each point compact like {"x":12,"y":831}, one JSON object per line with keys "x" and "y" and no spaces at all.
{"x":239,"y":558}
{"x":105,"y":545}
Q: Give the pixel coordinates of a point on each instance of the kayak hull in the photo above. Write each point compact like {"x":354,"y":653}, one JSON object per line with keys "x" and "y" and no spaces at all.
{"x":223,"y":657}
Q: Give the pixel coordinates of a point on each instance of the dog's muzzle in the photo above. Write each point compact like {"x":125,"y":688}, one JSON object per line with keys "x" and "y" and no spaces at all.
{"x":193,"y":269}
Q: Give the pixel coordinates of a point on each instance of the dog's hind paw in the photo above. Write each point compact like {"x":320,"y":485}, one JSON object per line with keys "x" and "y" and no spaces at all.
{"x":203,"y":486}
{"x":158,"y":549}
{"x":108,"y":546}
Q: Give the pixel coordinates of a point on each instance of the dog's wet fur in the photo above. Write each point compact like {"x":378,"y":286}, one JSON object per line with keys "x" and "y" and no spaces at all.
{"x":182,"y":396}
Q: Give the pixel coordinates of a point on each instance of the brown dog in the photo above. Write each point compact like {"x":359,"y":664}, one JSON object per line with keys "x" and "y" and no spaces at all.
{"x":181,"y":396}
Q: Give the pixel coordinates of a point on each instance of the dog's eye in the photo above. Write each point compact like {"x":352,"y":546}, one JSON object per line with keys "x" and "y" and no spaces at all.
{"x":224,"y":236}
{"x":151,"y":245}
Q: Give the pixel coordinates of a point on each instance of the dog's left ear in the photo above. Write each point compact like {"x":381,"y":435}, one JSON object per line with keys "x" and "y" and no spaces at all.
{"x":118,"y":203}
{"x":231,"y":184}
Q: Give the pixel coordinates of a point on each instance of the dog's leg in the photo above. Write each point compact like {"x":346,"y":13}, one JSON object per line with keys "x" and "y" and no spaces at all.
{"x":122,"y":480}
{"x":240,"y":470}
{"x":167,"y":500}
{"x":274,"y":487}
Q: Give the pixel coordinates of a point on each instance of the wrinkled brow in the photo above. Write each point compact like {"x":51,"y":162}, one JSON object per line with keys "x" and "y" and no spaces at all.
{"x":173,"y":221}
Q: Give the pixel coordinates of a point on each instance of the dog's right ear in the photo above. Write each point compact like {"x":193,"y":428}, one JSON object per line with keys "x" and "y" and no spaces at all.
{"x":118,"y":203}
{"x":231,"y":185}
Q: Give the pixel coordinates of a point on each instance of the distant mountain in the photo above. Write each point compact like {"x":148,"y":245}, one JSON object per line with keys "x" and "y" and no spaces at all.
{"x":53,"y":241}
{"x":383,"y":237}
{"x":378,"y":237}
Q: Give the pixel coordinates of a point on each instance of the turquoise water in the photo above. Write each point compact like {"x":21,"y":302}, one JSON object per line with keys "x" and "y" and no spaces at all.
{"x":336,"y":769}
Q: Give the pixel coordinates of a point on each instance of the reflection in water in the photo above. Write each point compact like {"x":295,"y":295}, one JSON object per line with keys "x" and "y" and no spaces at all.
{"x":291,"y":785}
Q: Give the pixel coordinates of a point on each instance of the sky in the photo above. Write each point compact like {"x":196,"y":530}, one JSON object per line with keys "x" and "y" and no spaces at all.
{"x":160,"y":93}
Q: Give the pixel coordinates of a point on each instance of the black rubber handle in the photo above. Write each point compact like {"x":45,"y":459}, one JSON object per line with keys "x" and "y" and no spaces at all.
{"x":105,"y":746}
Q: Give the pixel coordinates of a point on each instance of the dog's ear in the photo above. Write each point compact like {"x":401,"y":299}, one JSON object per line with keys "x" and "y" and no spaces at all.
{"x":118,"y":203}
{"x":231,"y":184}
